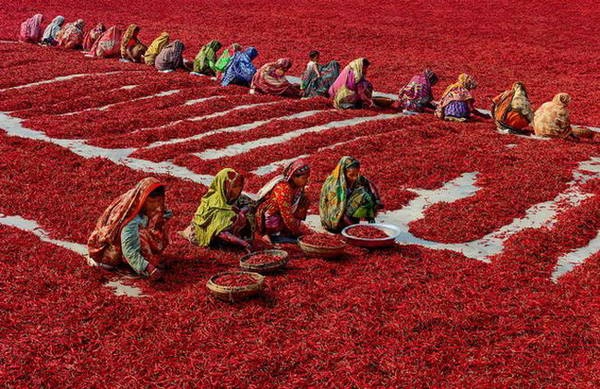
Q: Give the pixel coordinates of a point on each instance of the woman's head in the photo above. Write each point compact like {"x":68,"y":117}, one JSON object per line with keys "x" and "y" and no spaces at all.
{"x":251,"y":52}
{"x":284,"y":64}
{"x":215,"y":45}
{"x":297,"y":173}
{"x":562,"y":99}
{"x":314,"y":55}
{"x":59,"y":20}
{"x":80,"y":24}
{"x":234,"y":185}
{"x":519,"y":88}
{"x":154,"y":201}
{"x":431,"y":76}
{"x":467,"y":81}
{"x":351,"y":167}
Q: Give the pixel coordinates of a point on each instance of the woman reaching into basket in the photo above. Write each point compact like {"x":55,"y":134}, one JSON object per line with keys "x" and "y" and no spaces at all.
{"x":132,"y":230}
{"x":221,"y":216}
{"x":283,"y":205}
{"x":347,"y":197}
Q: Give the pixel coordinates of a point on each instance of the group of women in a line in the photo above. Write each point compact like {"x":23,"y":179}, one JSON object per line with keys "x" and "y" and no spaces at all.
{"x":133,"y":230}
{"x":511,"y":110}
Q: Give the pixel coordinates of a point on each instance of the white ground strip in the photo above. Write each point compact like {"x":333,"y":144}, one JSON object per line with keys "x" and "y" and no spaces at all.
{"x":239,"y":128}
{"x":105,"y":107}
{"x":58,"y":79}
{"x":241,"y":148}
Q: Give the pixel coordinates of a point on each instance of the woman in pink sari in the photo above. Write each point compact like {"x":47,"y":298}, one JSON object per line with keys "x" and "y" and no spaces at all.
{"x":351,"y":89}
{"x":92,"y":36}
{"x":31,"y":29}
{"x":270,"y":79}
{"x":71,"y":36}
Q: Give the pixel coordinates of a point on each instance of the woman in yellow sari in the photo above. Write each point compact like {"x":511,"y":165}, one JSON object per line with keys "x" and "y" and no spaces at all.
{"x":155,"y":48}
{"x":218,"y":218}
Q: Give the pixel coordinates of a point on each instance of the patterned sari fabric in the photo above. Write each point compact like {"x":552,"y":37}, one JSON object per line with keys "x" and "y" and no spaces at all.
{"x":270,"y":79}
{"x":206,"y":59}
{"x":351,"y":89}
{"x":511,"y":109}
{"x":226,"y":57}
{"x":31,"y":29}
{"x":317,"y":83}
{"x":71,"y":36}
{"x":340,"y":203}
{"x":129,"y":40}
{"x":108,"y":45}
{"x":92,"y":36}
{"x":217,"y":212}
{"x":52,"y":30}
{"x":282,"y":206}
{"x":170,"y":57}
{"x":155,"y":48}
{"x":240,"y":69}
{"x":417,"y":94}
{"x":457,"y":101}
{"x":104,"y":244}
{"x":552,"y":118}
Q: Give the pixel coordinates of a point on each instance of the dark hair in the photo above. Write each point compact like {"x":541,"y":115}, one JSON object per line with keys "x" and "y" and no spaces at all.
{"x":313,"y":54}
{"x":366,"y":62}
{"x":158,"y":192}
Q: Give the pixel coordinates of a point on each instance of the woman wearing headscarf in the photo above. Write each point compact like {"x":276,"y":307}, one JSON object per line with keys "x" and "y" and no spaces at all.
{"x":108,"y":45}
{"x":132,"y":229}
{"x":351,"y":89}
{"x":283,"y":205}
{"x":416,"y":96}
{"x":92,"y":36}
{"x":206,"y":59}
{"x":457,"y":102}
{"x":347,"y":197}
{"x":51,"y":31}
{"x":240,"y":69}
{"x":71,"y":36}
{"x":132,"y":48}
{"x":511,"y":110}
{"x":171,"y":57}
{"x":552,"y":120}
{"x":156,"y":47}
{"x":31,"y":29}
{"x":218,"y":217}
{"x":317,"y":78}
{"x":270,"y":79}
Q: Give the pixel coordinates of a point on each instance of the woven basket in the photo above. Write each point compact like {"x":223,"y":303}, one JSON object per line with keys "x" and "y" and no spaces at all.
{"x":279,"y":261}
{"x":319,"y":251}
{"x":235,"y":293}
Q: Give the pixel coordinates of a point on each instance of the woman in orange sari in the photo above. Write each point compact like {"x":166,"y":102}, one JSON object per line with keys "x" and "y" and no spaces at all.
{"x":283,"y":205}
{"x":511,"y":109}
{"x":132,"y":230}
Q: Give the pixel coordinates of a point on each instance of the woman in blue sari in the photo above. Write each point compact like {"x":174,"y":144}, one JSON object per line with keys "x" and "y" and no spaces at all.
{"x":240,"y":69}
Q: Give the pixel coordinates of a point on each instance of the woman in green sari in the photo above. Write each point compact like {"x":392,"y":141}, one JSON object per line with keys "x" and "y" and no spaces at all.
{"x":206,"y":60}
{"x":218,"y":218}
{"x":347,"y":197}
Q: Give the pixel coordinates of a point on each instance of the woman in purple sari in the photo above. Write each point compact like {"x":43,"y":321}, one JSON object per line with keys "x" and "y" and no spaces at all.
{"x":416,"y":96}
